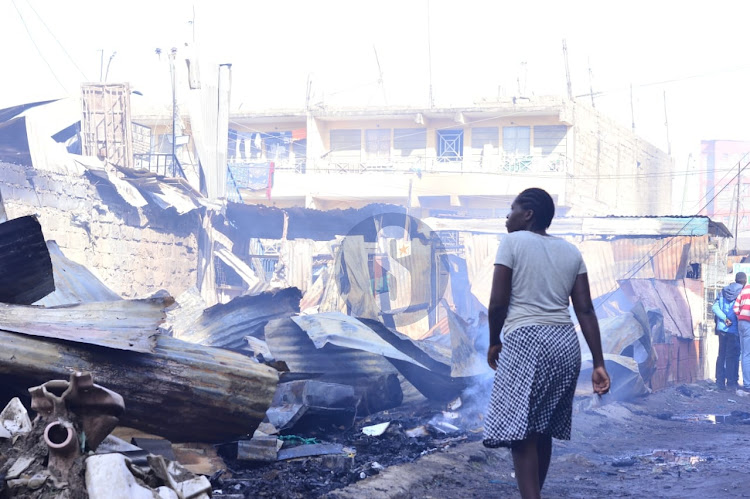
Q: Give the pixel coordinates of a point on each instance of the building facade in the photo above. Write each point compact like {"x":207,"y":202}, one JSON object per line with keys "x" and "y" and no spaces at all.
{"x":466,"y":162}
{"x":722,"y":162}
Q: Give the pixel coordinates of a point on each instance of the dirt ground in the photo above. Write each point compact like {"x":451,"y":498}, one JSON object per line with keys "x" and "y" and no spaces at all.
{"x":689,"y":441}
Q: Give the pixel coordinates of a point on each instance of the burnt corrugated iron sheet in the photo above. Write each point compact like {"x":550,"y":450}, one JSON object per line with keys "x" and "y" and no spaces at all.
{"x":289,"y":343}
{"x":130,"y":325}
{"x":667,"y":295}
{"x":74,"y":283}
{"x":226,"y":325}
{"x":342,"y":330}
{"x":25,"y":267}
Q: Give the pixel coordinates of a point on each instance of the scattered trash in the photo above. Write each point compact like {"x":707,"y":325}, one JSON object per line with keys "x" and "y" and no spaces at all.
{"x":419,"y":431}
{"x":15,"y":419}
{"x":621,"y":463}
{"x":259,"y":448}
{"x":455,"y":404}
{"x":376,"y":430}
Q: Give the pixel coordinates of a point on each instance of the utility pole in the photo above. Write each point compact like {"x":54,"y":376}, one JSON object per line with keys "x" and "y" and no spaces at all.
{"x":737,"y":212}
{"x":666,"y":124}
{"x":429,"y":54}
{"x":632,"y":112}
{"x":380,"y":76}
{"x":567,"y":69}
{"x":172,"y":56}
{"x":101,"y":65}
{"x":591,"y":86}
{"x":106,"y":74}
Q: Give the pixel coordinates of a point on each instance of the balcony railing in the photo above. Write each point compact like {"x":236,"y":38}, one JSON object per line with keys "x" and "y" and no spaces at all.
{"x":160,"y":163}
{"x":552,"y":164}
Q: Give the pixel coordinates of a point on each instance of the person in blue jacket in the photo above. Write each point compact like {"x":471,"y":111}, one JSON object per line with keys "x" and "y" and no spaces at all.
{"x":728,"y":359}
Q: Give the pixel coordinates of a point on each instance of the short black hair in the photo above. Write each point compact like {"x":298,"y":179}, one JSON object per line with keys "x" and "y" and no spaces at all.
{"x":740,"y":277}
{"x":541,"y":203}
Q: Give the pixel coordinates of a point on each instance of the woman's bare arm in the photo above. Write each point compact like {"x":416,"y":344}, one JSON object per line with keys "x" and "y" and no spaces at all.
{"x":498,"y":310}
{"x":584,"y":309}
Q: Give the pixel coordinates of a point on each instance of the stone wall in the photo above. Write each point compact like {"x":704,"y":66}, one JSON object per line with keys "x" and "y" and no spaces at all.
{"x":135,"y":252}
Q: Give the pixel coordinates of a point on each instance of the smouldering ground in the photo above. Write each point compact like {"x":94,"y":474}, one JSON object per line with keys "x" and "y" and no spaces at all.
{"x":664,"y":445}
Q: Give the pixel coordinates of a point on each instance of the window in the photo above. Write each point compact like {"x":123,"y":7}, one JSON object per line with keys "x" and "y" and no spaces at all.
{"x":547,"y":138}
{"x":346,"y":143}
{"x":378,"y":144}
{"x":517,"y":140}
{"x":485,"y":136}
{"x":410,"y":141}
{"x":450,"y":145}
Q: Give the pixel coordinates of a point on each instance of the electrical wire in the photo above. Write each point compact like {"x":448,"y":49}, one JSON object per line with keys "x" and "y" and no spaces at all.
{"x":58,"y":41}
{"x":23,"y":21}
{"x":648,"y":256}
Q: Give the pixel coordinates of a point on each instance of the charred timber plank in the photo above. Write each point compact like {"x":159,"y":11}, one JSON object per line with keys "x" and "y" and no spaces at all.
{"x":25,"y":267}
{"x":125,"y":324}
{"x":182,"y":392}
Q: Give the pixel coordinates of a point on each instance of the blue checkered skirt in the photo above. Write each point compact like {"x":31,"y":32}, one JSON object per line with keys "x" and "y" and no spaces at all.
{"x":534,"y":385}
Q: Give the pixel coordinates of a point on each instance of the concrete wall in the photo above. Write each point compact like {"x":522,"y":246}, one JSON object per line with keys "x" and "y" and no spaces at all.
{"x":614,"y":171}
{"x":134,"y":252}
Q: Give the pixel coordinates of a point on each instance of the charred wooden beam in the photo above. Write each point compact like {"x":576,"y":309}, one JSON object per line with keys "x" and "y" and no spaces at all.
{"x":181,"y":391}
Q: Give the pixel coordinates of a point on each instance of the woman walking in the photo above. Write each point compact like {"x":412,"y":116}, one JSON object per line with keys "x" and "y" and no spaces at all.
{"x":534,"y":349}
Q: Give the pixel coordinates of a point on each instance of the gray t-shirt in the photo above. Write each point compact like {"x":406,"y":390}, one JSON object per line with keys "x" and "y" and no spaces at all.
{"x":544,"y":271}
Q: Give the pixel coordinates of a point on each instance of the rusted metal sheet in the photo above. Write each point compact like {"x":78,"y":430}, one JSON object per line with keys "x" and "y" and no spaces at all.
{"x":123,"y":325}
{"x":179,"y":391}
{"x":74,"y":283}
{"x":25,"y":267}
{"x":651,"y":258}
{"x":699,"y":251}
{"x":226,"y":325}
{"x":601,"y":267}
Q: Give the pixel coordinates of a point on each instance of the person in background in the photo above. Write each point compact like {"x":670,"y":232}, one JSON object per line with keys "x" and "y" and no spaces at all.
{"x":742,"y":311}
{"x":728,"y":359}
{"x":533,"y":348}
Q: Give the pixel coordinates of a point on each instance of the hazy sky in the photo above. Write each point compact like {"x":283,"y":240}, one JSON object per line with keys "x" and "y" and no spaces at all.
{"x":695,"y":51}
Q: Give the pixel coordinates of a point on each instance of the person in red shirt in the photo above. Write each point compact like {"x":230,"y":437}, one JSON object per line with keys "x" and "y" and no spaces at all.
{"x":742,"y":310}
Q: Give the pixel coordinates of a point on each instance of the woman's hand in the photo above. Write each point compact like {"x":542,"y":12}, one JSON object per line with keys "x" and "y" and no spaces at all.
{"x":600,"y":380}
{"x":493,"y":354}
